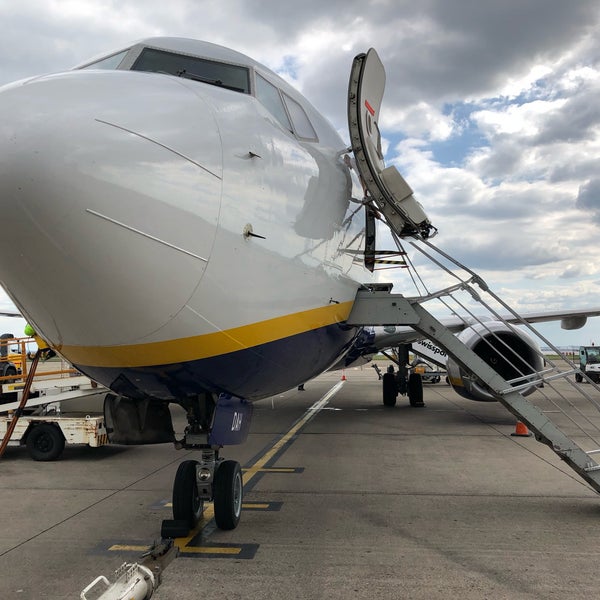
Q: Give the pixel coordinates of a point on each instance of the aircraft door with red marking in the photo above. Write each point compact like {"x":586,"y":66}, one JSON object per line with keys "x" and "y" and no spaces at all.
{"x":384,"y":185}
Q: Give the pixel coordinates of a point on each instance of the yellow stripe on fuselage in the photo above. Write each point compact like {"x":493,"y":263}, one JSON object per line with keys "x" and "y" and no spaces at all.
{"x":207,"y":345}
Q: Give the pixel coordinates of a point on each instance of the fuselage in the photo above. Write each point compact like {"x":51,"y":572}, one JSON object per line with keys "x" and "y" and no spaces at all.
{"x":171,"y":234}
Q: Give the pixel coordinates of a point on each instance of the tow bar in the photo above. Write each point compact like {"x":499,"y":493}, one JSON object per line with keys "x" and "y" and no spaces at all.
{"x":136,"y":581}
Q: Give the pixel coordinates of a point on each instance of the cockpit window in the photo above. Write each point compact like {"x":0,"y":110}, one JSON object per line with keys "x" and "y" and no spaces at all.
{"x":232,"y":77}
{"x":302,"y":126}
{"x":269,"y":96}
{"x":110,"y":62}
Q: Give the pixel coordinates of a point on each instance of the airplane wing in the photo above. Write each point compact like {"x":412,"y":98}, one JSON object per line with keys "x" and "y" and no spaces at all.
{"x":387,"y":337}
{"x":569,"y":319}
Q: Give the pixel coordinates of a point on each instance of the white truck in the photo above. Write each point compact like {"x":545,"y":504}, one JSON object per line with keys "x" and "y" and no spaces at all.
{"x":589,"y":363}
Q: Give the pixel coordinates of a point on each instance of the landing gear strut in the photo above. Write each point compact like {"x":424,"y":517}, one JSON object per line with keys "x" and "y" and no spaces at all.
{"x":398,"y":383}
{"x":211,"y":425}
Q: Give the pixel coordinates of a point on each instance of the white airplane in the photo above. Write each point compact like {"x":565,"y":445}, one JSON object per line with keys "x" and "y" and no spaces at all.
{"x":184,"y":227}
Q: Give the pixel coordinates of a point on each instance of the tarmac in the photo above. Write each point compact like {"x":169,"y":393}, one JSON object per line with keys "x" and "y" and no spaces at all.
{"x":345,"y":498}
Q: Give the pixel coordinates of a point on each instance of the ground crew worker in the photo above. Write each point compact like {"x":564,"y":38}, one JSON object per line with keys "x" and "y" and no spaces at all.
{"x":47,"y":352}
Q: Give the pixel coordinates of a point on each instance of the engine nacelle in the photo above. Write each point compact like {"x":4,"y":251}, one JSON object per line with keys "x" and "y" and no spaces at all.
{"x":488,"y":342}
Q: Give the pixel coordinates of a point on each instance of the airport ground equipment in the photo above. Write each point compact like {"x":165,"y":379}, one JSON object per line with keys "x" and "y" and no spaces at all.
{"x":426,"y":371}
{"x":502,"y":372}
{"x":10,"y":427}
{"x":589,"y":363}
{"x":492,"y":364}
{"x":36,"y":414}
{"x":492,"y":358}
{"x":134,"y":581}
{"x":46,"y":436}
{"x":12,"y":359}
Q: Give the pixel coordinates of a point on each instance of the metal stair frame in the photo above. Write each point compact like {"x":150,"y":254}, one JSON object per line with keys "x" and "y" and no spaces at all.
{"x":379,"y":307}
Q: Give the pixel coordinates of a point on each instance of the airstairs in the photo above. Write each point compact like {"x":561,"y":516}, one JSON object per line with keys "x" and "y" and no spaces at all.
{"x":563,"y":414}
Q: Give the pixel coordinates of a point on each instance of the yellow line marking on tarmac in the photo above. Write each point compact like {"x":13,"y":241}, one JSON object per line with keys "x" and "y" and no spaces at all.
{"x":259,"y":465}
{"x":128,"y":548}
{"x":208,"y":549}
{"x":274,"y":470}
{"x":264,"y":505}
{"x":194,"y":549}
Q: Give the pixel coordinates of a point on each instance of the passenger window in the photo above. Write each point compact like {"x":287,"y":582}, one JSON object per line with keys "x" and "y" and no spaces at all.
{"x":110,"y":62}
{"x":269,"y":96}
{"x":302,"y":125}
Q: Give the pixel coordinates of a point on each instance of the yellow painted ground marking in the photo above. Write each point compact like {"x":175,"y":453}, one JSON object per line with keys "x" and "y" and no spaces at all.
{"x":183,"y":548}
{"x":207,"y":549}
{"x":207,"y":515}
{"x":128,"y":548}
{"x":259,"y":465}
{"x":244,"y":505}
{"x":275,"y":470}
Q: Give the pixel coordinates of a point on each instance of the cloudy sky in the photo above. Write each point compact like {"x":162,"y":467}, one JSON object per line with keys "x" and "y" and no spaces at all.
{"x":491,"y":110}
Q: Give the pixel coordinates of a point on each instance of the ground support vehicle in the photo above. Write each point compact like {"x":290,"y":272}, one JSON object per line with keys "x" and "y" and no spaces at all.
{"x":45,"y":436}
{"x":12,"y":358}
{"x":46,"y":426}
{"x":47,"y":422}
{"x":428,"y":373}
{"x":589,"y":363}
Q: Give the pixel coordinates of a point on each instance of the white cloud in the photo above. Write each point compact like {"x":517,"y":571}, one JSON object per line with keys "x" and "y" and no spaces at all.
{"x":519,"y":84}
{"x":418,"y":120}
{"x":522,"y":120}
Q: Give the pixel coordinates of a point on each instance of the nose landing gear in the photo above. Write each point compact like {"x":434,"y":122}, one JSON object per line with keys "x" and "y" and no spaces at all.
{"x":211,"y":425}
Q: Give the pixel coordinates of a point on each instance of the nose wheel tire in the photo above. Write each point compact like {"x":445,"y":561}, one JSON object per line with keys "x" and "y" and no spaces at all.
{"x":187,"y":505}
{"x":228,"y":492}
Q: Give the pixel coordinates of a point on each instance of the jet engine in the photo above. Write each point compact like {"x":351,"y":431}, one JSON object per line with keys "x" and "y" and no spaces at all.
{"x":512,"y":353}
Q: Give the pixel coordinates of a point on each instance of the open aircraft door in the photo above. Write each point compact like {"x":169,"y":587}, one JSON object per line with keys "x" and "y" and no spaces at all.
{"x":384,"y":185}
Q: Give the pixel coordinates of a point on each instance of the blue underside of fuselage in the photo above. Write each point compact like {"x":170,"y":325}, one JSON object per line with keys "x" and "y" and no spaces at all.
{"x":254,"y":373}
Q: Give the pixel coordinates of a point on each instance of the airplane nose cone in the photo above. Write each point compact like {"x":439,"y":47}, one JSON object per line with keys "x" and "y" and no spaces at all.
{"x":110,"y":186}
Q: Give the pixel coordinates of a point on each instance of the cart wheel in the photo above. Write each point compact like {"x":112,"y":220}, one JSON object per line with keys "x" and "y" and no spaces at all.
{"x":45,"y":442}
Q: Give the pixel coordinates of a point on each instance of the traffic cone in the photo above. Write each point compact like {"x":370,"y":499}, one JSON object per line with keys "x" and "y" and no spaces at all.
{"x":521,"y":430}
{"x":343,"y":376}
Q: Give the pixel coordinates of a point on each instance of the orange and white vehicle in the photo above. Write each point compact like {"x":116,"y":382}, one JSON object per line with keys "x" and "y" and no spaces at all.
{"x":47,"y":422}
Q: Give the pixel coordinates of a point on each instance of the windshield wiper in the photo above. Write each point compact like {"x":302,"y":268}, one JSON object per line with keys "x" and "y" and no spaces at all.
{"x":217,"y":82}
